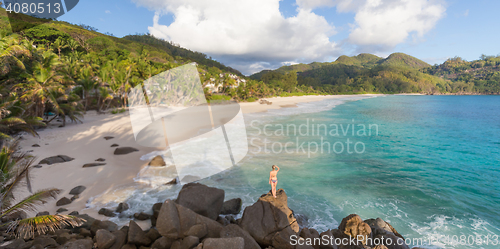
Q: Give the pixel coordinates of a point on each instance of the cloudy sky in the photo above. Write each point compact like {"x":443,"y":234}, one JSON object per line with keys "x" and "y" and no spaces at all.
{"x":251,"y":35}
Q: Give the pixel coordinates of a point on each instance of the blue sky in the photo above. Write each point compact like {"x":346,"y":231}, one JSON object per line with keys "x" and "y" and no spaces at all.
{"x":260,"y":34}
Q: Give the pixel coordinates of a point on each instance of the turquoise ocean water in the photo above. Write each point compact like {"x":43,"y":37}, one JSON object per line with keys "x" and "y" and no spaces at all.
{"x":430,"y":167}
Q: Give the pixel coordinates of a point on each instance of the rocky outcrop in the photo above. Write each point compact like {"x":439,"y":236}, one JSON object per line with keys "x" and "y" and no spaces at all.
{"x":270,"y":222}
{"x":202,"y":199}
{"x":77,"y":190}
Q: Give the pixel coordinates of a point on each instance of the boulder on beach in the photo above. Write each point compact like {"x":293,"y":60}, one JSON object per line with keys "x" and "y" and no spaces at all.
{"x":100,"y":160}
{"x":115,"y":145}
{"x":63,"y":201}
{"x":108,"y":137}
{"x":77,"y":190}
{"x":125,"y":150}
{"x":107,"y":212}
{"x":354,"y":226}
{"x":232,"y":206}
{"x":234,"y":231}
{"x":202,"y":199}
{"x":90,"y":165}
{"x":136,"y":236}
{"x":270,"y":222}
{"x":56,"y":159}
{"x":122,"y":207}
{"x":104,"y":239}
{"x":157,"y":162}
{"x":35,"y":145}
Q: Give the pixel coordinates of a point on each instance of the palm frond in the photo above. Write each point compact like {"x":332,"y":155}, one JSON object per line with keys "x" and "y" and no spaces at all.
{"x":30,"y":202}
{"x":28,"y":228}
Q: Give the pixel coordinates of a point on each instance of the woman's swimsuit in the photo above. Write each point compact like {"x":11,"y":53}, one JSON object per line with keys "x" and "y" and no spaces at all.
{"x":274,"y":181}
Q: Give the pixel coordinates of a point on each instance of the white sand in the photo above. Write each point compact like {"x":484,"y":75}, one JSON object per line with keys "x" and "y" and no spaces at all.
{"x":85,"y":142}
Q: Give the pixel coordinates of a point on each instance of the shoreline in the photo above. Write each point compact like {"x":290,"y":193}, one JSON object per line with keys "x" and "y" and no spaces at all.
{"x":85,"y":142}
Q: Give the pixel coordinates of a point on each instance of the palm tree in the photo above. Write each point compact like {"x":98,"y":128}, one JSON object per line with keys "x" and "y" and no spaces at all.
{"x":70,"y":106}
{"x":87,"y":84}
{"x":73,"y":45}
{"x":14,"y":171}
{"x":59,"y":44}
{"x":10,"y":50}
{"x":42,"y":83}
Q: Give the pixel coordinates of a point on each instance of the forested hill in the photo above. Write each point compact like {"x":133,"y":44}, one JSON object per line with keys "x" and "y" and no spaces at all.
{"x":395,"y":74}
{"x":177,"y":51}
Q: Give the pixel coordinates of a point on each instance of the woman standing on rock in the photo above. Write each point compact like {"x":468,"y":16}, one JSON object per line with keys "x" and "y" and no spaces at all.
{"x":273,"y":178}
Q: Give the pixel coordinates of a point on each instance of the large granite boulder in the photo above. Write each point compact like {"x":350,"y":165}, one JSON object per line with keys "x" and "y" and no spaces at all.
{"x":270,"y":222}
{"x":136,"y":236}
{"x":175,"y":221}
{"x":311,"y":234}
{"x":234,"y":231}
{"x":104,"y":239}
{"x":202,"y":199}
{"x":78,"y":244}
{"x":226,"y":243}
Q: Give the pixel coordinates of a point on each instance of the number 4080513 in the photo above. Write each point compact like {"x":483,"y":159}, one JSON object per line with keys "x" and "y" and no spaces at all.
{"x":33,"y":8}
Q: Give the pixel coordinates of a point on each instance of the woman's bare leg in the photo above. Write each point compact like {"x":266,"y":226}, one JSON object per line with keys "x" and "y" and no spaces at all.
{"x":274,"y":188}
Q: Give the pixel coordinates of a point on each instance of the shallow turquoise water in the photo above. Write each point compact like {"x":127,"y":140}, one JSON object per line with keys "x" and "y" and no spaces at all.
{"x":431,"y":168}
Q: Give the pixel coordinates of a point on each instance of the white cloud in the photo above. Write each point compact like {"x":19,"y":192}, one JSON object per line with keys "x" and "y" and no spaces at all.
{"x":107,"y":12}
{"x":387,"y":23}
{"x":246,"y":32}
{"x":466,"y":13}
{"x":250,"y":35}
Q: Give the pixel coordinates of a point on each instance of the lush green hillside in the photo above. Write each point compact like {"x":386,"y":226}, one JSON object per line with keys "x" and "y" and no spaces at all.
{"x":398,"y":73}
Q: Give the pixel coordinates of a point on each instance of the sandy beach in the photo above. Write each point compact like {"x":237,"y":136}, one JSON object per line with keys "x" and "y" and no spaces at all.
{"x":86,"y":143}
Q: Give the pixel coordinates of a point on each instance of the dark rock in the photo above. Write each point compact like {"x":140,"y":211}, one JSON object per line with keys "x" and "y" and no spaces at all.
{"x":42,"y":213}
{"x":77,"y":190}
{"x":125,"y":150}
{"x":232,"y":206}
{"x":226,"y":243}
{"x":270,"y":222}
{"x":231,"y":219}
{"x":13,"y":244}
{"x":136,"y":236}
{"x":45,"y":241}
{"x":61,"y":239}
{"x":234,"y":231}
{"x":35,"y":145}
{"x":129,"y":246}
{"x":153,"y":234}
{"x":223,"y":221}
{"x":175,"y":220}
{"x":156,"y":210}
{"x":100,"y":160}
{"x":162,"y":243}
{"x":202,"y":199}
{"x":60,"y":210}
{"x":122,"y":207}
{"x":90,"y":165}
{"x":56,"y":159}
{"x":190,"y":242}
{"x":78,"y":244}
{"x":19,"y":215}
{"x":104,"y":239}
{"x":173,"y":182}
{"x":85,"y":232}
{"x":328,"y":245}
{"x":142,"y":216}
{"x":107,"y":212}
{"x":353,"y":226}
{"x":108,"y":225}
{"x":74,"y":197}
{"x":157,"y":162}
{"x":380,"y":226}
{"x":115,"y":145}
{"x":74,"y":213}
{"x":198,"y":230}
{"x":124,"y":229}
{"x":37,"y":166}
{"x":120,"y":239}
{"x":108,"y":137}
{"x":312,"y":234}
{"x":87,"y":224}
{"x":33,"y":246}
{"x":63,"y":201}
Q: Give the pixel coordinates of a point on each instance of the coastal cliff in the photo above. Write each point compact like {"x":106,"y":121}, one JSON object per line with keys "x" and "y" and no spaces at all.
{"x":196,"y":220}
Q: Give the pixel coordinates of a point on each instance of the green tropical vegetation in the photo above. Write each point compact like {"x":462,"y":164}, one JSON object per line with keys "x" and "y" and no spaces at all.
{"x":15,"y":168}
